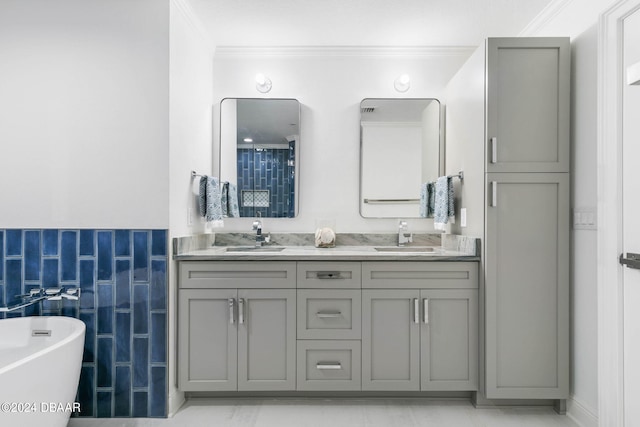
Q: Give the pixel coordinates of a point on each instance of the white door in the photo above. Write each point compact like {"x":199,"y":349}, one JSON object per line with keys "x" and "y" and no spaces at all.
{"x":631,"y":221}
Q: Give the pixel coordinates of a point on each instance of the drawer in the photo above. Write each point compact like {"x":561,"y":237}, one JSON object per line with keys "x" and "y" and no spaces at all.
{"x":328,"y":365}
{"x":329,"y":275}
{"x":420,"y":275}
{"x":237,"y":274}
{"x":329,"y":314}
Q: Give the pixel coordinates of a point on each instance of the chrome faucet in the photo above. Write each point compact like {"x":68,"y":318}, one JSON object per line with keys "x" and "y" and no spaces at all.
{"x":260,"y":238}
{"x":403,"y":235}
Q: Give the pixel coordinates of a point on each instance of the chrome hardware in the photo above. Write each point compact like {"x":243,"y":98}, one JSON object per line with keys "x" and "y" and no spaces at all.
{"x":403,"y":235}
{"x":260,"y":238}
{"x":36,"y":295}
{"x":328,"y":314}
{"x":328,"y":366}
{"x":322,"y":275}
{"x":416,"y":311}
{"x":632,"y":260}
{"x":494,"y":150}
{"x":41,"y":333}
{"x":232,"y":315}
{"x":494,"y":194}
{"x":425,"y":302}
{"x":241,"y":311}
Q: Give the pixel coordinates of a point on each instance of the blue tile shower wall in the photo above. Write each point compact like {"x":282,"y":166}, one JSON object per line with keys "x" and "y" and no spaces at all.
{"x":123,"y":277}
{"x":266,"y":169}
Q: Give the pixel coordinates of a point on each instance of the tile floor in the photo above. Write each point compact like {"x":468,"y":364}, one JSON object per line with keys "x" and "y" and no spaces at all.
{"x":340,"y":413}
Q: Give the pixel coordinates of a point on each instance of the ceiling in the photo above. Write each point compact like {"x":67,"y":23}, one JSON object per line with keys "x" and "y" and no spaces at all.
{"x":363,"y":22}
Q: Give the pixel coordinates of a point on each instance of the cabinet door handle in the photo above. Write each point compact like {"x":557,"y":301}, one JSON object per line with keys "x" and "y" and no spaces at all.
{"x":328,"y":314}
{"x":241,"y":311}
{"x":425,"y":302}
{"x":232,"y":315}
{"x":322,"y":366}
{"x":416,"y":310}
{"x":494,"y":194}
{"x":324,"y":275}
{"x":494,"y":150}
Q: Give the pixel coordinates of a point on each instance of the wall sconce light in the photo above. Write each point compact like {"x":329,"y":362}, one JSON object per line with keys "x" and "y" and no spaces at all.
{"x":263,"y":83}
{"x":402,"y":83}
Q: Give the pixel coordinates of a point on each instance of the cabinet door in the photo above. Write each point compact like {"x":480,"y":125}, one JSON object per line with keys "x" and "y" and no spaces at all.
{"x":527,"y":104}
{"x":527,"y":286}
{"x":207,"y":340}
{"x":390,"y":339}
{"x":266,"y":339}
{"x":449,"y":339}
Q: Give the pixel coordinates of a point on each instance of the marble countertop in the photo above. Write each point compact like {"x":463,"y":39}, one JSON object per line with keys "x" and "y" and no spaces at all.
{"x":360,"y":250}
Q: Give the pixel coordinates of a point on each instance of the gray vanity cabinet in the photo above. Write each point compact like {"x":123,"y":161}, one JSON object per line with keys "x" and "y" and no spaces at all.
{"x":527,"y":104}
{"x":527,"y":285}
{"x":419,"y":326}
{"x":232,"y":336}
{"x":207,"y":340}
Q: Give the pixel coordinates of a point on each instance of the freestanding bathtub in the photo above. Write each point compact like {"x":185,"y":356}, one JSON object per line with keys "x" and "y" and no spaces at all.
{"x":40,"y":361}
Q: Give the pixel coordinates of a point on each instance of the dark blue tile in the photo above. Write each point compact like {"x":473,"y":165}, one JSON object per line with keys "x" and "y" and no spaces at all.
{"x":158,"y":285}
{"x":104,"y":404}
{"x":122,"y":392}
{"x":158,"y":392}
{"x":159,"y":242}
{"x":32,"y":310}
{"x":105,"y":362}
{"x":105,"y":309}
{"x":123,"y":337}
{"x":140,"y":256}
{"x":50,"y":272}
{"x":140,"y":404}
{"x":123,"y":284}
{"x":86,"y":389}
{"x":105,"y":255}
{"x":49,"y":242}
{"x":87,"y":283}
{"x":141,"y":309}
{"x":2,"y":295}
{"x":13,"y":280}
{"x":123,"y":242}
{"x":89,"y":319}
{"x":158,"y":338}
{"x":32,"y":255}
{"x":69,"y":308}
{"x":14,"y":242}
{"x":87,"y":242}
{"x":69,"y":255}
{"x":1,"y":256}
{"x":140,"y":362}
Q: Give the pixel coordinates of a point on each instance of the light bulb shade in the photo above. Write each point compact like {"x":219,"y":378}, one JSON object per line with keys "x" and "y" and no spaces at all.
{"x":402,"y":83}
{"x":263,"y":83}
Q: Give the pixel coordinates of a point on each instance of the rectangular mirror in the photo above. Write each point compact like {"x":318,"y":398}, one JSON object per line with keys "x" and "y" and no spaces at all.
{"x":400,"y":149}
{"x":259,"y":148}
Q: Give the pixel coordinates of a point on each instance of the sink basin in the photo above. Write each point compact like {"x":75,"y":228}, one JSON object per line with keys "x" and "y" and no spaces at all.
{"x":405,"y":249}
{"x":254,"y":249}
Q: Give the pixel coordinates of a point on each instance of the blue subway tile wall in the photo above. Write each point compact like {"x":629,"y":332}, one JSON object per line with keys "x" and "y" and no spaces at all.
{"x":266,"y":169}
{"x":123,"y":278}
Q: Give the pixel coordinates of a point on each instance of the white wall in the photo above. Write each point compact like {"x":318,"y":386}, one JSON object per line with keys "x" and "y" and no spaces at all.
{"x":330,"y":83}
{"x":191,"y":67}
{"x":84,"y":93}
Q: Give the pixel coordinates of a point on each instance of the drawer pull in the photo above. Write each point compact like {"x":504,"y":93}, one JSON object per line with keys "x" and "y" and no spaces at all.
{"x":426,"y":311}
{"x":324,"y":275}
{"x":328,"y":366}
{"x":241,"y":311}
{"x":328,"y":314}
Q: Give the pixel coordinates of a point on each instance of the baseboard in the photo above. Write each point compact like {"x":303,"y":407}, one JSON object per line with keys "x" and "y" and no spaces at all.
{"x":580,"y":414}
{"x":176,"y":400}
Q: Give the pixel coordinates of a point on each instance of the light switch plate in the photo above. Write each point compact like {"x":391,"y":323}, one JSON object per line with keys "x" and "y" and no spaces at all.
{"x":585,"y":218}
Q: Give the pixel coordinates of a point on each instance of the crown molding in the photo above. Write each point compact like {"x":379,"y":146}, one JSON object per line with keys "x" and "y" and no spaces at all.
{"x":344,"y":51}
{"x":193,"y":21}
{"x":547,"y":15}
